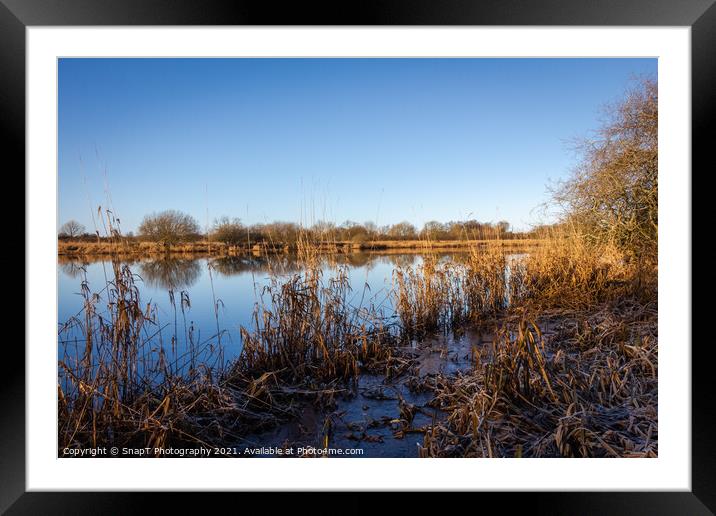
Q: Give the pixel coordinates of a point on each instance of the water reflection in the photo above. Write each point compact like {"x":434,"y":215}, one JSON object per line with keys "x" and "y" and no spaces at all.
{"x":179,"y":272}
{"x":405,"y":260}
{"x":233,"y":265}
{"x":73,"y":269}
{"x":289,"y":263}
{"x":171,"y":273}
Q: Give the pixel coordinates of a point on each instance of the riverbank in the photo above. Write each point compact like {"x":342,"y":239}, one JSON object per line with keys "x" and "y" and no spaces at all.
{"x":130,"y":248}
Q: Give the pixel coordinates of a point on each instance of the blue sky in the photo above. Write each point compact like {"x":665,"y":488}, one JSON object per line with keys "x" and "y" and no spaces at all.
{"x":335,"y":139}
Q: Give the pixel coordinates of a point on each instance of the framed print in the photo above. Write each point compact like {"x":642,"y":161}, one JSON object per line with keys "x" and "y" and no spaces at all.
{"x":436,"y":248}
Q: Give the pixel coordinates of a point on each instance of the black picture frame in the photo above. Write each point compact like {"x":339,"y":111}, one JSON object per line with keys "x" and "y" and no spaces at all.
{"x":16,"y":15}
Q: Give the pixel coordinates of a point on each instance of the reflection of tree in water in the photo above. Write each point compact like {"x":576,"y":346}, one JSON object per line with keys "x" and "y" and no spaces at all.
{"x":359,"y":259}
{"x":73,"y":269}
{"x":172,"y":273}
{"x":402,"y":260}
{"x":291,"y":263}
{"x":178,"y":273}
{"x":232,"y":265}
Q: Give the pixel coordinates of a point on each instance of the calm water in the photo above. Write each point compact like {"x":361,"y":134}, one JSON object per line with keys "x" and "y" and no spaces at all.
{"x":232,"y":284}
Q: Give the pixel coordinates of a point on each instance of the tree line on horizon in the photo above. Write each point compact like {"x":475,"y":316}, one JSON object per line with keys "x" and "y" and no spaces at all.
{"x":172,"y":226}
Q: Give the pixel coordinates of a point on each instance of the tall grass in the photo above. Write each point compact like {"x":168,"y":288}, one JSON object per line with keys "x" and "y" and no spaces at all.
{"x":572,"y":273}
{"x":308,"y":328}
{"x":441,"y":294}
{"x":565,"y":272}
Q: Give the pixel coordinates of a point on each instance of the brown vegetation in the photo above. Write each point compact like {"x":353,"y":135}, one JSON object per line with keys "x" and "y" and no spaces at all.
{"x":123,"y":391}
{"x":129,"y":247}
{"x":613,"y":193}
{"x":588,"y":389}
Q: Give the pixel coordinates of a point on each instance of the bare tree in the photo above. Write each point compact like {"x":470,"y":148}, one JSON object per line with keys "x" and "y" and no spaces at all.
{"x":169,"y":227}
{"x":433,"y":230}
{"x":403,"y":230}
{"x":370,"y":227}
{"x":613,"y":194}
{"x":324,"y":230}
{"x":72,"y":229}
{"x":227,"y":230}
{"x":502,"y":227}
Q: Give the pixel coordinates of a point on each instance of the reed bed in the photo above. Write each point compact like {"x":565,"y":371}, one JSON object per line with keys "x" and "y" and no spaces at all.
{"x":429,"y":297}
{"x":127,"y":384}
{"x":587,"y":390}
{"x":564,"y":274}
{"x":439,"y":294}
{"x":124,"y":247}
{"x":571,"y":274}
{"x":309,"y":329}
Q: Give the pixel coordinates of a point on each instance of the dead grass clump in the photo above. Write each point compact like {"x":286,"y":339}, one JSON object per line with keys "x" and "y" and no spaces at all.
{"x":485,"y":281}
{"x":442,"y":295}
{"x":309,"y":331}
{"x":563,"y":273}
{"x":121,"y":384}
{"x":570,"y":273}
{"x":589,"y":389}
{"x":428,"y":297}
{"x":119,"y":387}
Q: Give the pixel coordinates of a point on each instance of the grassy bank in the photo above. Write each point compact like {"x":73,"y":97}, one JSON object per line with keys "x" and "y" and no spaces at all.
{"x":132,"y":248}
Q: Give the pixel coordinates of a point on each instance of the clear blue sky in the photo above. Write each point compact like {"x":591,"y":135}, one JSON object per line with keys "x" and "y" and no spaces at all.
{"x":307,"y":139}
